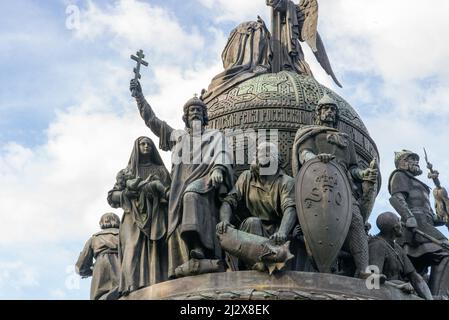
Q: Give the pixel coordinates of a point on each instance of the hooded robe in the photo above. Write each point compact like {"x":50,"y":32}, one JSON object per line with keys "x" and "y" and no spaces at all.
{"x":142,"y":249}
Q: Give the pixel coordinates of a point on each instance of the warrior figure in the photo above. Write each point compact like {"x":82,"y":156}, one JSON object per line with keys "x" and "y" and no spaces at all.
{"x":411,"y":199}
{"x":324,"y":141}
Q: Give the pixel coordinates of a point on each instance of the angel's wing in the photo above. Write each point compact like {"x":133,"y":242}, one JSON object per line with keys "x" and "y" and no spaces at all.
{"x":309,"y":17}
{"x":323,"y":59}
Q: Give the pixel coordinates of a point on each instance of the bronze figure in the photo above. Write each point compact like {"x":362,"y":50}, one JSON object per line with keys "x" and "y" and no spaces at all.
{"x":252,"y":50}
{"x":410,"y":198}
{"x":261,"y":203}
{"x":291,"y":24}
{"x":325,"y":142}
{"x":103,"y":247}
{"x":140,"y":191}
{"x":201,"y":174}
{"x":391,"y":259}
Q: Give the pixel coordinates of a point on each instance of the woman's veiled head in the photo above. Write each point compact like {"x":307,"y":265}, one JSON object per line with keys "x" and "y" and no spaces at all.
{"x":144,"y":153}
{"x":146,"y":146}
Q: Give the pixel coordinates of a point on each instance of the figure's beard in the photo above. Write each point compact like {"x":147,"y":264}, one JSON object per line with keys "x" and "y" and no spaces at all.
{"x":196,"y":124}
{"x":414,"y":169}
{"x":328,"y":121}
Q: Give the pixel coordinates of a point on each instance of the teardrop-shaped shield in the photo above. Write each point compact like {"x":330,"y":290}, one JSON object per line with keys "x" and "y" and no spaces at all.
{"x":324,"y":207}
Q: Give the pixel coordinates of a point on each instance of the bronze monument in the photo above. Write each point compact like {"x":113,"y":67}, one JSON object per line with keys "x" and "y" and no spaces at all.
{"x":273,"y":181}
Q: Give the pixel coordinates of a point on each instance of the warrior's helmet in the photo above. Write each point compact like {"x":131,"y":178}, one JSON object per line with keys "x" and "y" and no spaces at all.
{"x":400,"y":158}
{"x":325,"y":101}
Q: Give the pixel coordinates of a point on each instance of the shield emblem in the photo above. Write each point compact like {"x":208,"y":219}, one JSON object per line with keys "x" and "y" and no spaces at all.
{"x":324,"y":207}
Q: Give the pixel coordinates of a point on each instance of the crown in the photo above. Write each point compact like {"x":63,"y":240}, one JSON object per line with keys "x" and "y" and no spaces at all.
{"x":196,"y":101}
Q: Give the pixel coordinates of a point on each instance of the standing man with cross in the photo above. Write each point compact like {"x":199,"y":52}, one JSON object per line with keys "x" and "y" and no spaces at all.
{"x":199,"y":180}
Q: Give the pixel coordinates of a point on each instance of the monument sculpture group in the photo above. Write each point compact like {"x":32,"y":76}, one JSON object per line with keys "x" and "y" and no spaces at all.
{"x":273,"y":174}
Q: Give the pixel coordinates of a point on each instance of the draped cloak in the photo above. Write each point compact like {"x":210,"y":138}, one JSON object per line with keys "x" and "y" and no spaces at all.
{"x":102,"y":247}
{"x":193,"y":178}
{"x":142,"y":246}
{"x":248,"y":52}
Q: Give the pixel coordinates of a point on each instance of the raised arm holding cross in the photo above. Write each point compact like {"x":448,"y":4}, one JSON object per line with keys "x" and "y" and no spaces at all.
{"x":190,"y":226}
{"x":139,"y":59}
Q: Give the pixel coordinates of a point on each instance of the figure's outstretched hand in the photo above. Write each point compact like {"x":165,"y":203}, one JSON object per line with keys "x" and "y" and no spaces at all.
{"x":370,"y":175}
{"x":325,"y":157}
{"x":216,"y":178}
{"x":135,"y":88}
{"x":279,"y":238}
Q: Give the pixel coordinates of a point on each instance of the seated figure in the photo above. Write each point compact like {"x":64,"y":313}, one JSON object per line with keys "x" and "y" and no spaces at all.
{"x":262,"y":204}
{"x":392,"y":260}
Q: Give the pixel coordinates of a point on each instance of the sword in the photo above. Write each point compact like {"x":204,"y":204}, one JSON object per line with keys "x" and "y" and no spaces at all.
{"x":436,"y":181}
{"x":439,"y":193}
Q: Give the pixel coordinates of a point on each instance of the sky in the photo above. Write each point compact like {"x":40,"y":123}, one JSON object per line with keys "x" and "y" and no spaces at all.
{"x":68,"y":121}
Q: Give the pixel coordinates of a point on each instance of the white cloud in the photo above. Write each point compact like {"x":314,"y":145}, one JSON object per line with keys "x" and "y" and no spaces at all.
{"x":135,"y":24}
{"x":402,"y":43}
{"x":61,"y":186}
{"x":236,"y":10}
{"x":58,"y":294}
{"x":58,"y":190}
{"x":16,"y":276}
{"x":401,"y":39}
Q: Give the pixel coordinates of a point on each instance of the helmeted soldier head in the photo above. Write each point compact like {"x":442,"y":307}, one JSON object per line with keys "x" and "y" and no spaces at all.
{"x":109,"y":220}
{"x":408,"y":161}
{"x":327,"y":112}
{"x":389,"y":223}
{"x":195,"y":110}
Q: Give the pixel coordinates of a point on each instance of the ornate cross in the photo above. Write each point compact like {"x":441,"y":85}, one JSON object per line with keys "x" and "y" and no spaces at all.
{"x":140,"y":61}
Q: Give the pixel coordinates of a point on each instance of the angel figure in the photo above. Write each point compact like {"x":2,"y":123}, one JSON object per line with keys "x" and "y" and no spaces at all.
{"x":291,"y":24}
{"x":252,"y":50}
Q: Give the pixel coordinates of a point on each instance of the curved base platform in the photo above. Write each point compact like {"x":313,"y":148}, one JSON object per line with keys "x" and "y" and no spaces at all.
{"x":253,"y":285}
